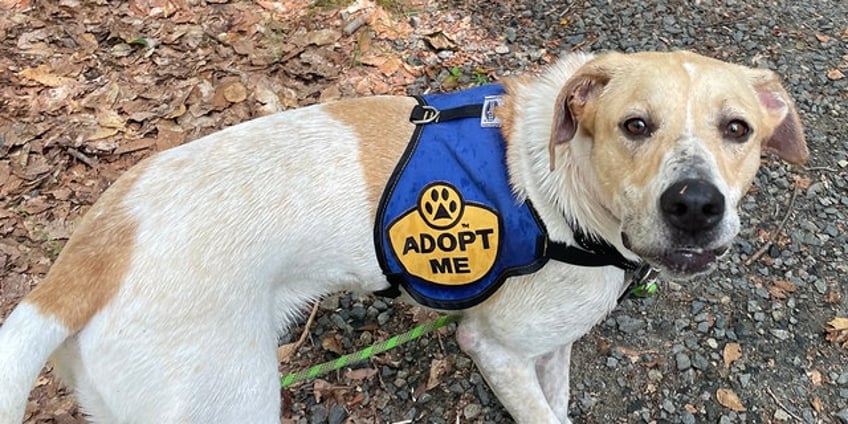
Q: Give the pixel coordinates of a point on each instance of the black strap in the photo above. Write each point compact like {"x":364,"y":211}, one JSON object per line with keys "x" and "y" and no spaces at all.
{"x":593,"y":253}
{"x":426,"y":114}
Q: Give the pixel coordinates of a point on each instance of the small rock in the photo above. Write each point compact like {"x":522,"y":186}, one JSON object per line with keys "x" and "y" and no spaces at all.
{"x":337,"y":414}
{"x":683,"y":362}
{"x":843,"y":416}
{"x":501,"y":49}
{"x":781,"y":415}
{"x":472,"y":410}
{"x":780,"y":334}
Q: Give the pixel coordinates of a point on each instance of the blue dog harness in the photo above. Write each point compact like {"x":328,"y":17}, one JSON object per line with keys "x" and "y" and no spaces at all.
{"x":448,"y":228}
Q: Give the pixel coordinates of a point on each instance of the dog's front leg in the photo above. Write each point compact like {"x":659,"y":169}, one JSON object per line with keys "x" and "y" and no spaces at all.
{"x":511,"y":375}
{"x":552,"y":370}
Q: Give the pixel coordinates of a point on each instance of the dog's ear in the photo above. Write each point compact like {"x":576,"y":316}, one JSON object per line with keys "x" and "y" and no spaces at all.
{"x":787,"y":140}
{"x":572,"y":103}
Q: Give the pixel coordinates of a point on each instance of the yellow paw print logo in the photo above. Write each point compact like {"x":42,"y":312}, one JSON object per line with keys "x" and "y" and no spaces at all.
{"x":441,"y":206}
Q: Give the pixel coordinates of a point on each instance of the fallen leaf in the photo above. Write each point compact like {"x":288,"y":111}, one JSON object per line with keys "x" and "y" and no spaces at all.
{"x":817,"y":404}
{"x":43,"y":75}
{"x":837,"y":331}
{"x":823,"y":38}
{"x":134,"y":145}
{"x":732,"y":352}
{"x":285,"y":352}
{"x":235,"y":92}
{"x":15,"y":4}
{"x":802,"y":183}
{"x":360,"y":374}
{"x":439,"y":41}
{"x":815,"y":377}
{"x":728,"y":399}
{"x":331,"y":342}
{"x":437,"y":368}
{"x":101,"y":133}
{"x":322,"y":37}
{"x":389,"y":66}
{"x":320,"y":388}
{"x":835,"y":74}
{"x":780,"y":289}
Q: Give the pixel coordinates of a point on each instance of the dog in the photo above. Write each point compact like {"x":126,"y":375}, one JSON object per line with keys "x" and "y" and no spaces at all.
{"x":167,"y":302}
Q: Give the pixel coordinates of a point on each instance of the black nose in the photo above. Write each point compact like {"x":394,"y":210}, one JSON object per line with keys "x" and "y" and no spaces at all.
{"x":692,"y":205}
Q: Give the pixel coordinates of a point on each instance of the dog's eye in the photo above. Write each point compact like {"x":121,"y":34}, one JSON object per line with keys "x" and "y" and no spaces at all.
{"x":736,"y":130}
{"x":636,"y":128}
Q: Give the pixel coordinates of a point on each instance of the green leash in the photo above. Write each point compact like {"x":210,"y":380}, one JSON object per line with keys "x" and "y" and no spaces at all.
{"x":363,"y":354}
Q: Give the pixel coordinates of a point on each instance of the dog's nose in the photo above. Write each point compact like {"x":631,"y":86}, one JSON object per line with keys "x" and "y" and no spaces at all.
{"x":692,"y":205}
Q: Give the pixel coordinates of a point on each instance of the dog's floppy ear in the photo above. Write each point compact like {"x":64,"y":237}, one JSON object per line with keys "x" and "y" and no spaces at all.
{"x":572,"y":101}
{"x":787,"y":140}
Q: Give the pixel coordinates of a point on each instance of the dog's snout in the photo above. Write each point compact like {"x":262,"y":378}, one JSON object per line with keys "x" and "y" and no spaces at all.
{"x":692,"y":205}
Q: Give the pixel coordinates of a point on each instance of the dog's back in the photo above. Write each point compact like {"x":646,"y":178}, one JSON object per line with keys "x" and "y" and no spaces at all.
{"x":233,"y":229}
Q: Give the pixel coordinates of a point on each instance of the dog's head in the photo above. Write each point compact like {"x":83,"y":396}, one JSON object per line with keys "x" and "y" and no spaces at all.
{"x":674,"y":140}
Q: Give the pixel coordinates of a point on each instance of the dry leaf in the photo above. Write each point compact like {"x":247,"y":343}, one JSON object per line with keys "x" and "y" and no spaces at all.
{"x":45,"y":76}
{"x":439,"y":41}
{"x":837,"y":331}
{"x":320,"y":388}
{"x":728,"y":399}
{"x":823,"y":38}
{"x":802,"y":183}
{"x":437,"y":368}
{"x":815,"y":377}
{"x":235,"y":92}
{"x":817,"y":404}
{"x":331,"y":342}
{"x":15,"y":4}
{"x":732,"y":352}
{"x":389,"y":66}
{"x":780,"y":289}
{"x":835,"y":74}
{"x":285,"y":352}
{"x":360,"y":374}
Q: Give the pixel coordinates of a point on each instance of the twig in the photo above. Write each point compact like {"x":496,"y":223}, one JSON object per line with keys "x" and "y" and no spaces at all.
{"x":81,"y":157}
{"x":821,"y":168}
{"x":284,"y":352}
{"x":780,"y":404}
{"x":305,"y":333}
{"x":774,"y":233}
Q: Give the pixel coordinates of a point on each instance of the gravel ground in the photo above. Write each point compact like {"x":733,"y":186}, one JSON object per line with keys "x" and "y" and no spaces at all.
{"x":663,"y":359}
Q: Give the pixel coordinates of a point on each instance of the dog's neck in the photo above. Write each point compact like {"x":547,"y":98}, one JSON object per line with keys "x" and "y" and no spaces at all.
{"x":569,"y":195}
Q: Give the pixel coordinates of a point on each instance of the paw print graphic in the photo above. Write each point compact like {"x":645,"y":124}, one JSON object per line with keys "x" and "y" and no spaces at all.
{"x":441,"y":206}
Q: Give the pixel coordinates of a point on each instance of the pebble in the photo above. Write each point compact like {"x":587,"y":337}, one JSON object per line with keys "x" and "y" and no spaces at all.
{"x":683,"y":362}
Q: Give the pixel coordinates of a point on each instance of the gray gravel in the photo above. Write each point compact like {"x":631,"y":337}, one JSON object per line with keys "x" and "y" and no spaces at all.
{"x":661,"y":359}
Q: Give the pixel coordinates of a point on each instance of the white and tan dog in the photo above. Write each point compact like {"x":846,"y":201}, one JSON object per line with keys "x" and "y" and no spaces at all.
{"x":166,"y":304}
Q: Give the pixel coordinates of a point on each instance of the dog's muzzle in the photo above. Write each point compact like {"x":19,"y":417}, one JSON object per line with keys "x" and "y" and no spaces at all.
{"x":692,"y":210}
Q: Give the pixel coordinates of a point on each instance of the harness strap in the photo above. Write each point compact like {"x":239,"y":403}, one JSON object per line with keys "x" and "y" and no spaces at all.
{"x":426,"y":114}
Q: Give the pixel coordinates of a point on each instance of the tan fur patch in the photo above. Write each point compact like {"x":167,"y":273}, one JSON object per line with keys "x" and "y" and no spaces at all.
{"x":92,"y":265}
{"x":382,"y":124}
{"x":506,"y":112}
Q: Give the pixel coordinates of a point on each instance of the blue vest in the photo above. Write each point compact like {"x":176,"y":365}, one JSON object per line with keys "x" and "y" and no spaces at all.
{"x":449,"y":229}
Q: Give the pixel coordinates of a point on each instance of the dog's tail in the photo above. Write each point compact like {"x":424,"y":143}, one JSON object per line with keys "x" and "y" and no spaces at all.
{"x":27,"y":339}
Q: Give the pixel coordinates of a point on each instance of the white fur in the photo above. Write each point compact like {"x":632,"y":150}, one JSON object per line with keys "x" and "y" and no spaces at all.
{"x":26,"y":341}
{"x":237,"y":231}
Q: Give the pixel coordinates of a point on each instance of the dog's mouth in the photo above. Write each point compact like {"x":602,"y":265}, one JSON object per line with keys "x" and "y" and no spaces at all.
{"x":681,"y":261}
